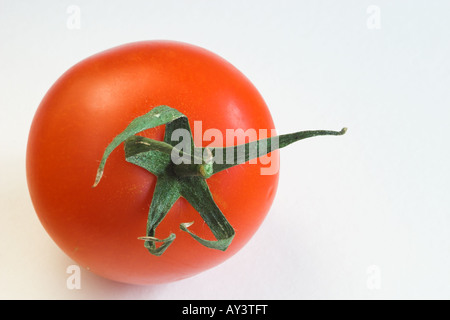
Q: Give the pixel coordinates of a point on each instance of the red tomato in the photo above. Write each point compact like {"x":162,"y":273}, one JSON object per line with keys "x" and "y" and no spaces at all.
{"x":93,"y":102}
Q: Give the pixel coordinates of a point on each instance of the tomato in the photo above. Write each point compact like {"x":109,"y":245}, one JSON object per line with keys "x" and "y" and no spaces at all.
{"x":92,"y":103}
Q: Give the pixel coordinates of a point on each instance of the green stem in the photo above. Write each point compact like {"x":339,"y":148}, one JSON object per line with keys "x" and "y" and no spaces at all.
{"x":204,"y":170}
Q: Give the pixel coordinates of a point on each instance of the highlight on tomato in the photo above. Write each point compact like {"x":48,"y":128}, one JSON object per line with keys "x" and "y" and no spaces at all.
{"x":153,"y":161}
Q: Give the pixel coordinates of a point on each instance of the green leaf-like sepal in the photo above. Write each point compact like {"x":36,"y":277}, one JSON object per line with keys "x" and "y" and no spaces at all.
{"x":158,"y":116}
{"x":196,"y":191}
{"x":255,"y":149}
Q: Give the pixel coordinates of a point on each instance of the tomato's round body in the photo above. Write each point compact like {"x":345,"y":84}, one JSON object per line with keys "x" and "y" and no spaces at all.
{"x":92,"y":103}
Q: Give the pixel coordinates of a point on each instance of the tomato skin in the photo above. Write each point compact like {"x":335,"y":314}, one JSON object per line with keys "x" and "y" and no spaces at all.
{"x":94,"y":101}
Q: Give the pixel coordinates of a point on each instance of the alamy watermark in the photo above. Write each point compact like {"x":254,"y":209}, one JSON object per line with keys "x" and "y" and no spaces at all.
{"x":251,"y":145}
{"x":373,"y":281}
{"x":74,"y":279}
{"x":373,"y":21}
{"x":73,"y":21}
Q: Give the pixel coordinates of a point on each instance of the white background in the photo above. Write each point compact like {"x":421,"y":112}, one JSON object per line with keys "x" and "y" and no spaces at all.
{"x":363,"y":216}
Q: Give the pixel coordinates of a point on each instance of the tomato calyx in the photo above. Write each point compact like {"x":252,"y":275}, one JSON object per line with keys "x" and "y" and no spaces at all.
{"x":182,"y":170}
